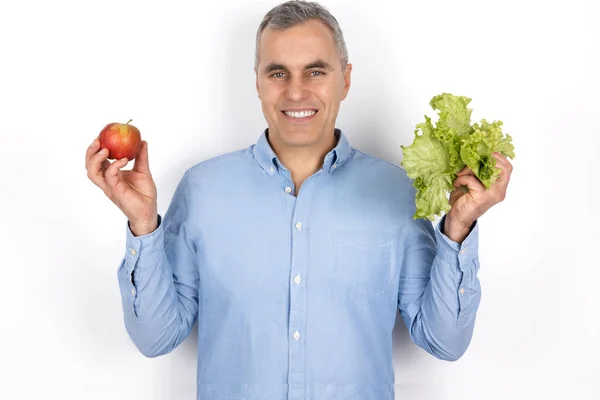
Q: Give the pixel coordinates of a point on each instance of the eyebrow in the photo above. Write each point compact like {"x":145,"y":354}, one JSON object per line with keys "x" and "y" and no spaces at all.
{"x":315,"y":64}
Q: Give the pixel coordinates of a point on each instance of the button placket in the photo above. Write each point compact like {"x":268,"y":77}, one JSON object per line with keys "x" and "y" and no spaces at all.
{"x":298,"y":292}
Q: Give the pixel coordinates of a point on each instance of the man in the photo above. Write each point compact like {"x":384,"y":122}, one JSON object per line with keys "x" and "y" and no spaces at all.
{"x":293,"y":255}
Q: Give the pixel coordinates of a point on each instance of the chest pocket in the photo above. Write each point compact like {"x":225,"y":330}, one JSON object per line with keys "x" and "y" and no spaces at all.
{"x":361,"y":263}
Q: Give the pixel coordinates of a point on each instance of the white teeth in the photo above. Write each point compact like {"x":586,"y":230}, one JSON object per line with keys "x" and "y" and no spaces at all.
{"x":301,"y":114}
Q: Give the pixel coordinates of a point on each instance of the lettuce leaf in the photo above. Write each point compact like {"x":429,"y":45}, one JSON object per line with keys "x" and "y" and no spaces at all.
{"x":440,"y":151}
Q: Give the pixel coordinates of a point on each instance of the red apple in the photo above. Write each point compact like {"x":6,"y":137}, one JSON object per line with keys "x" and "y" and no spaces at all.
{"x":121,"y":140}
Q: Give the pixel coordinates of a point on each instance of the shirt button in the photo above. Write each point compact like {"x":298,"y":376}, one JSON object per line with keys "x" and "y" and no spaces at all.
{"x":272,"y":169}
{"x":133,"y":292}
{"x":288,"y":190}
{"x":463,"y":251}
{"x":297,"y":335}
{"x":334,"y":166}
{"x":132,"y":250}
{"x":297,"y":279}
{"x":462,"y":291}
{"x":298,"y":225}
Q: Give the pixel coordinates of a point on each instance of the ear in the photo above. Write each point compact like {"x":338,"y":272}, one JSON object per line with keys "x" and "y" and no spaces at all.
{"x":347,"y":80}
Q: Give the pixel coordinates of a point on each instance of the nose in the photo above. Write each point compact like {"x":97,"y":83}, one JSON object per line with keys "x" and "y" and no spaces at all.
{"x":297,"y":89}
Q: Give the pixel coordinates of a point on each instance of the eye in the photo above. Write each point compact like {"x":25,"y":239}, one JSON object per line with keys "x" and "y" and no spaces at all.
{"x":316,"y":73}
{"x":277,"y":75}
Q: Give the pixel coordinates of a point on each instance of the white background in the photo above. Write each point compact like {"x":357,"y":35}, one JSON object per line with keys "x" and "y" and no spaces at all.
{"x":182,"y":70}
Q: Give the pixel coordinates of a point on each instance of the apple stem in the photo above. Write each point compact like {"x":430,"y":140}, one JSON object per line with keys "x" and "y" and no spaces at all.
{"x":128,"y":121}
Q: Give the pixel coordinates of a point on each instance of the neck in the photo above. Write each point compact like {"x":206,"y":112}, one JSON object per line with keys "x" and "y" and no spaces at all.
{"x":303,"y":162}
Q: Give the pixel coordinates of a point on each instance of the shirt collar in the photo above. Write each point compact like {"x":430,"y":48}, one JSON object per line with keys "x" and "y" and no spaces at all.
{"x":267,"y":159}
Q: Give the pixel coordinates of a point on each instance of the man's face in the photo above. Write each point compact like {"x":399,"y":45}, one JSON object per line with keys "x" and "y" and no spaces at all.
{"x":300,"y":83}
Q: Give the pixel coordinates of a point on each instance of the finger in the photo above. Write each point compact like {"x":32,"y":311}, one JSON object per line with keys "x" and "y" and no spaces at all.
{"x":503,"y":163}
{"x":471,"y":182}
{"x":499,"y":156}
{"x":454,"y":195}
{"x":505,"y":170}
{"x":465,"y":171}
{"x":91,"y":150}
{"x":96,"y":168}
{"x":112,"y":172}
{"x":141,"y":161}
{"x":500,"y":159}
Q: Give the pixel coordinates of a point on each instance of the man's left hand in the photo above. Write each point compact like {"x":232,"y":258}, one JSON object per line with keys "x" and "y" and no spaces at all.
{"x":467,"y":207}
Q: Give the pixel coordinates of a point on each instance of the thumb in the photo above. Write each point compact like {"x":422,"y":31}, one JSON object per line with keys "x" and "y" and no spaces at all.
{"x":141,"y":161}
{"x":112,"y":173}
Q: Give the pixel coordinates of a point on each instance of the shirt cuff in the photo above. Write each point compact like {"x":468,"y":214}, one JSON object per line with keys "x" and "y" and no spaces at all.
{"x":454,"y":252}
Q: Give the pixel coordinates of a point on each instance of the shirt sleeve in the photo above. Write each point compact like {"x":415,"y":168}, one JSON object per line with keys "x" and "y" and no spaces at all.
{"x":439,"y":291}
{"x":158,"y":280}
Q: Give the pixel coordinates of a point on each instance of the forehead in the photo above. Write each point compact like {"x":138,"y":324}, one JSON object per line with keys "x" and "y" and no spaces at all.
{"x":298,"y":44}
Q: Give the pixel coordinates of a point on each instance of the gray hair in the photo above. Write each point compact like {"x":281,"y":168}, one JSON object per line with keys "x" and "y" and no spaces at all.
{"x":294,"y":12}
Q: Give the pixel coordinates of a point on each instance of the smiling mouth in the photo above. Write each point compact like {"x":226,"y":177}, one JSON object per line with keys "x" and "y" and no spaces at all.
{"x":300,"y":114}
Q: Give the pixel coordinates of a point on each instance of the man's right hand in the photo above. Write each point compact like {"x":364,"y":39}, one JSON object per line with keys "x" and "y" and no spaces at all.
{"x":133,"y":191}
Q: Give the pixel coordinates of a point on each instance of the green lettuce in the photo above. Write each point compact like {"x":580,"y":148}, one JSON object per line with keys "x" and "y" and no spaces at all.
{"x":440,"y":151}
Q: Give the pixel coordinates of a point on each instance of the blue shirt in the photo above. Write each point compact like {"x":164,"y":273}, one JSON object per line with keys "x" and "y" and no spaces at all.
{"x":296,"y":296}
